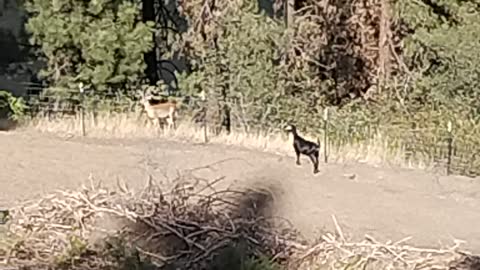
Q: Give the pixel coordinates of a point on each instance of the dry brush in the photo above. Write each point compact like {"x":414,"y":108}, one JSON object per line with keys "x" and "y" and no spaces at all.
{"x":188,"y":226}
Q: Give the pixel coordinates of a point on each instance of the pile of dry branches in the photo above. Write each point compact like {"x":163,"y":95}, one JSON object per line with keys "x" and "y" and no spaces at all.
{"x":186,"y":227}
{"x":335,"y":252}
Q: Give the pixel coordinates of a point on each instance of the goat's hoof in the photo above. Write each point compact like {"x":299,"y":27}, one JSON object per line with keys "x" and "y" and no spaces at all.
{"x":298,"y":163}
{"x":316,"y":171}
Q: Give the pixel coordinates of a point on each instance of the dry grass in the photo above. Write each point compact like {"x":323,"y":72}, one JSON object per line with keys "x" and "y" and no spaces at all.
{"x":378,"y":150}
{"x":186,"y":226}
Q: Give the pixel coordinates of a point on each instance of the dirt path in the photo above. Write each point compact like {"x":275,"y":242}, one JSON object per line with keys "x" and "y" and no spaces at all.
{"x":385,"y":203}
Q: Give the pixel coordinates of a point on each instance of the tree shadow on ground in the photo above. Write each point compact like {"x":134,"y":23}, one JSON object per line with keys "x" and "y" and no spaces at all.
{"x":222,"y":230}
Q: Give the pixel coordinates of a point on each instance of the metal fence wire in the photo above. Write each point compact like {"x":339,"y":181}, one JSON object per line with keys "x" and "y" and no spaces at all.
{"x":456,"y":154}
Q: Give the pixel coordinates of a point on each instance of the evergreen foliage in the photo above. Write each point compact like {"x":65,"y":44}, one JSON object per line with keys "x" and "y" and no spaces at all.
{"x":443,"y":52}
{"x":100,"y":43}
{"x":264,"y":73}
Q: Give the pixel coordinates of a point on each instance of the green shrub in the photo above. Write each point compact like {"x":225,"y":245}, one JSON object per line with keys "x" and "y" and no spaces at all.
{"x":14,"y":107}
{"x":100,"y":43}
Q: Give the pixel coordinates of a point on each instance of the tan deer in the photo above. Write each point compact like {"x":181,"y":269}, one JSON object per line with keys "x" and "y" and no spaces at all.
{"x":160,"y":111}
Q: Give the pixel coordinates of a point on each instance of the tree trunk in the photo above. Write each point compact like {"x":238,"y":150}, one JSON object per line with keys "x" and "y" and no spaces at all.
{"x":383,"y":46}
{"x":148,"y":14}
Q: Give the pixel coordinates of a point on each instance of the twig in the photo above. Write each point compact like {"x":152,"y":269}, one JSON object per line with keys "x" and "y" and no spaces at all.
{"x":337,"y":227}
{"x":175,"y":232}
{"x":157,"y":256}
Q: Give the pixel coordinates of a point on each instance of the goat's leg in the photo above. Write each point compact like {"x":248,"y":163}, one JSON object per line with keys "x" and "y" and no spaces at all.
{"x":297,"y":152}
{"x":314,"y":158}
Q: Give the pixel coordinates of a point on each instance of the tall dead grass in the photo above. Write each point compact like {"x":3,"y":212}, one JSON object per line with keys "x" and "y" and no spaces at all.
{"x":380,"y":149}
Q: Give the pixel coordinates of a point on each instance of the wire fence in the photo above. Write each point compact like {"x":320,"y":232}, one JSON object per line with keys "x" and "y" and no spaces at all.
{"x":440,"y":146}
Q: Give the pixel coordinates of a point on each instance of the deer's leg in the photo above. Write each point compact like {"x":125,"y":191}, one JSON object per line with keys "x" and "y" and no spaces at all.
{"x":171,"y":122}
{"x":159,"y":124}
{"x":149,"y":121}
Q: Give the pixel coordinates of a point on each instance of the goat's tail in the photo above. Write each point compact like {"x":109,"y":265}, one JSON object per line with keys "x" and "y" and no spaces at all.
{"x":318,"y":141}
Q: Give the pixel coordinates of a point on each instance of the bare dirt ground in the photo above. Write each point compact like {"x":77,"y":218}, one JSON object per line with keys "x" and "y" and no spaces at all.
{"x":387,"y":203}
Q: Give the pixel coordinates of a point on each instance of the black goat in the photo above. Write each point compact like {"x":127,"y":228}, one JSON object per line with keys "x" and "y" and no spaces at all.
{"x":307,"y":148}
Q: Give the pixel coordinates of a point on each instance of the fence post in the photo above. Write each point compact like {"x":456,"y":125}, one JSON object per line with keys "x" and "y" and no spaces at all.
{"x":93,"y":115}
{"x":203,"y":97}
{"x":325,"y":134}
{"x":450,"y":147}
{"x":82,"y":111}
